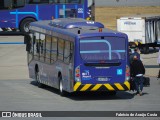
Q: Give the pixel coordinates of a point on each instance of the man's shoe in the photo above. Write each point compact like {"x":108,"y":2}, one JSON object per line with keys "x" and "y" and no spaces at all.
{"x":137,"y":93}
{"x":140,"y":93}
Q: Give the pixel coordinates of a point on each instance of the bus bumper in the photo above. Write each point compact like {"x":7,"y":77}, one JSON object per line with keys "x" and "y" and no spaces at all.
{"x":102,"y":87}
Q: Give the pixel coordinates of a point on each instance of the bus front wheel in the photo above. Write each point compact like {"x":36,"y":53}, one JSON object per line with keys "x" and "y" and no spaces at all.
{"x":61,"y":90}
{"x":25,"y":24}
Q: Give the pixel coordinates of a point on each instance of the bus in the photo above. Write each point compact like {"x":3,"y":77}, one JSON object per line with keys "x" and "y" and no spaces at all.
{"x":18,"y":14}
{"x":77,"y":55}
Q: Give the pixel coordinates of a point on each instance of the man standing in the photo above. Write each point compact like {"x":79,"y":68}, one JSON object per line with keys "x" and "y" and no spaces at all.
{"x":137,"y":72}
{"x":136,"y":53}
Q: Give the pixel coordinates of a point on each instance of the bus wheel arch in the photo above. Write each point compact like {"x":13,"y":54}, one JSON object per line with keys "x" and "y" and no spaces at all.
{"x":24,"y":24}
{"x":60,"y":81}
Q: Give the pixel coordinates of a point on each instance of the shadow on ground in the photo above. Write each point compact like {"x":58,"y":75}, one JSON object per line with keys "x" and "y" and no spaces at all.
{"x":85,"y":96}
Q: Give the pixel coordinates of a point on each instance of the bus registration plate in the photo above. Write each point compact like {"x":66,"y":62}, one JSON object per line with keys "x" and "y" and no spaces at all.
{"x":103,"y":79}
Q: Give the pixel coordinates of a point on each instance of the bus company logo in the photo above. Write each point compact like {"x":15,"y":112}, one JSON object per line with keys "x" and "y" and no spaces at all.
{"x":80,"y":10}
{"x":129,"y":23}
{"x":86,"y":75}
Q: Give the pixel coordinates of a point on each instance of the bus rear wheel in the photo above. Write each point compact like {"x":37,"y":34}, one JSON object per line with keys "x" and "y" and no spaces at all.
{"x":25,"y":24}
{"x":61,"y":90}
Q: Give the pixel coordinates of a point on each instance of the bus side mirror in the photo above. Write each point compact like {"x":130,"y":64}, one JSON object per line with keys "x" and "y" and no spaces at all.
{"x":27,"y":41}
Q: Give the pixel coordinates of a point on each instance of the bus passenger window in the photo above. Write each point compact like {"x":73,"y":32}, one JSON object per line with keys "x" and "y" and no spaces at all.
{"x":71,"y":51}
{"x":67,"y":52}
{"x":53,"y":1}
{"x":61,"y":1}
{"x":73,"y":1}
{"x":36,"y":46}
{"x":42,"y":47}
{"x":54,"y":50}
{"x":5,"y":4}
{"x":30,"y":53}
{"x":48,"y":49}
{"x":44,"y":1}
{"x":60,"y":49}
{"x":18,"y":3}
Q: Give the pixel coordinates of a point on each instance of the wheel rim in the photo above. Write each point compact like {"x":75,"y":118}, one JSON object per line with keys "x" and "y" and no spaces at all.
{"x":61,"y":86}
{"x":26,"y":27}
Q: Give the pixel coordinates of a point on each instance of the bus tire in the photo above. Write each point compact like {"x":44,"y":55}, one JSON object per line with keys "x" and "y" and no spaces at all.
{"x":24,"y":25}
{"x":61,"y":91}
{"x":37,"y":78}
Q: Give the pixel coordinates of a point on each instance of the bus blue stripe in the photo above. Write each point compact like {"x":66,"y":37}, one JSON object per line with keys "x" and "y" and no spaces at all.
{"x":16,"y":18}
{"x":37,"y":9}
{"x":76,"y":7}
{"x":24,"y":13}
{"x":83,"y":11}
{"x":101,"y":51}
{"x":56,"y":11}
{"x":64,"y":9}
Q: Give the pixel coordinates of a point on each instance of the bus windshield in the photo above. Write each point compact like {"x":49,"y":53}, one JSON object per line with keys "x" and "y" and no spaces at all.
{"x":107,"y":49}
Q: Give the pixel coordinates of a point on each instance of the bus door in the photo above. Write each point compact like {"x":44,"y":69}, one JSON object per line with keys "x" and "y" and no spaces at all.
{"x":103,"y":60}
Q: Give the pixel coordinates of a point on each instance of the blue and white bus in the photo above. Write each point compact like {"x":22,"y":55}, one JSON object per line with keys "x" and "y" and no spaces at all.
{"x":17,"y":14}
{"x":73,"y":54}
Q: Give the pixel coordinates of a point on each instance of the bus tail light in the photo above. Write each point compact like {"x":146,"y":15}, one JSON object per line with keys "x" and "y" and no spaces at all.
{"x":77,"y":74}
{"x":127,"y":73}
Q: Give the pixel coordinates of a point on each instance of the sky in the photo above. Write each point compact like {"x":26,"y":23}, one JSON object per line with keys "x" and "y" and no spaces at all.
{"x":127,"y":3}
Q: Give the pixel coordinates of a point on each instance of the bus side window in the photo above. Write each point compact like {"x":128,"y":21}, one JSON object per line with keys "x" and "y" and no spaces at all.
{"x":42,"y":47}
{"x":5,"y":4}
{"x":53,"y":1}
{"x":48,"y":49}
{"x":67,"y":52}
{"x":74,"y":1}
{"x":38,"y":1}
{"x":60,"y":49}
{"x":71,"y":52}
{"x":54,"y":50}
{"x":44,"y":1}
{"x":61,"y":1}
{"x":36,"y":46}
{"x":30,"y":53}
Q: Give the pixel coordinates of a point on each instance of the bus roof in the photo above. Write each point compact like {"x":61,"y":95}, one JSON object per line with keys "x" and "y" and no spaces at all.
{"x":71,"y":26}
